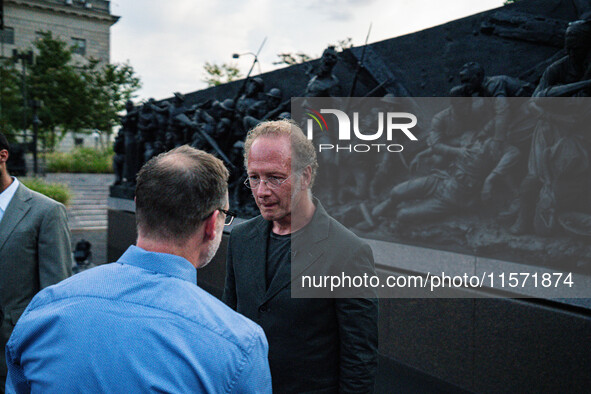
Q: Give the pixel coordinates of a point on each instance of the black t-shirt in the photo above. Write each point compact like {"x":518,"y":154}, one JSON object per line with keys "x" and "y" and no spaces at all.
{"x":278,"y":254}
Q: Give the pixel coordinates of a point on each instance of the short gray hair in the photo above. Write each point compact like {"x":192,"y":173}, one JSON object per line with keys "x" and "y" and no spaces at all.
{"x":303,"y":151}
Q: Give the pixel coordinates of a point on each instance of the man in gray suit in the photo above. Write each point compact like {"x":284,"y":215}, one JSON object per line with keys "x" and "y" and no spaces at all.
{"x":318,"y":342}
{"x":35,"y":249}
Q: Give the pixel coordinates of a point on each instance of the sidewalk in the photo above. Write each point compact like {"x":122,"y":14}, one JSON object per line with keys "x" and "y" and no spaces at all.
{"x":87,"y":211}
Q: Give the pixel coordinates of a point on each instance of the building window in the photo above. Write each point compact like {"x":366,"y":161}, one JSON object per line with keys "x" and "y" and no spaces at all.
{"x":79,"y":46}
{"x":7,"y":35}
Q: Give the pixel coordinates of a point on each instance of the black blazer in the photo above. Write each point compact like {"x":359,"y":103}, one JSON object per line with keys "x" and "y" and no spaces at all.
{"x":321,"y":345}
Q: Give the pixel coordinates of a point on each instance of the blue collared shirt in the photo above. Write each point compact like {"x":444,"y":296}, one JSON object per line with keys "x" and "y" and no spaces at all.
{"x":135,"y":326}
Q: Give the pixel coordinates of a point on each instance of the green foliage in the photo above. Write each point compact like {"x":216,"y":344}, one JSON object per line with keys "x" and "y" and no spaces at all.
{"x":341,"y":45}
{"x":291,"y":58}
{"x":76,"y":98}
{"x":11,"y":101}
{"x":109,"y":87}
{"x":56,"y":82}
{"x":57,"y":191}
{"x":217,"y":74}
{"x":81,"y":160}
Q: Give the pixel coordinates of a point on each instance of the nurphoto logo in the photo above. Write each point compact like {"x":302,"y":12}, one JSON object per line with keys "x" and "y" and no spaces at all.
{"x":390,"y":122}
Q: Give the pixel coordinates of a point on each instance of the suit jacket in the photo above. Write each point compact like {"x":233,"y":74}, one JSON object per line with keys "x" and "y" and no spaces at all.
{"x":35,"y":252}
{"x":321,"y":345}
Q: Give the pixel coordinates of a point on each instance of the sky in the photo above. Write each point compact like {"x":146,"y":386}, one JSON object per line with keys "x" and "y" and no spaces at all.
{"x":168,"y":41}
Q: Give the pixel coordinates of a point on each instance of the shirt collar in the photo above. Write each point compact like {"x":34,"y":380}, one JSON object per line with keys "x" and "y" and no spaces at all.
{"x":7,"y":194}
{"x":163,"y":263}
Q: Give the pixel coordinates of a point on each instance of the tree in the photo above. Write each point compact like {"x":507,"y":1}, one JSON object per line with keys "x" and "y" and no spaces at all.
{"x":11,"y":101}
{"x":76,"y":98}
{"x":60,"y":86}
{"x":291,"y":58}
{"x":110,"y":87}
{"x":217,"y":74}
{"x":341,"y":45}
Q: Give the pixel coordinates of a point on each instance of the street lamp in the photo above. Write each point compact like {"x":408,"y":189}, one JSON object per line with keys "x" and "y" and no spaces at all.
{"x":25,"y":58}
{"x":256,"y":60}
{"x":36,"y":122}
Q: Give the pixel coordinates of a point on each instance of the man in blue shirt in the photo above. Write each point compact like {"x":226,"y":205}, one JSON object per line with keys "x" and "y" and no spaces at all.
{"x":142,"y":324}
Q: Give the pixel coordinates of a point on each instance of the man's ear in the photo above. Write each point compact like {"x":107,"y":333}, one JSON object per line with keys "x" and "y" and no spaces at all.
{"x":4,"y":156}
{"x":306,"y":178}
{"x":210,"y":226}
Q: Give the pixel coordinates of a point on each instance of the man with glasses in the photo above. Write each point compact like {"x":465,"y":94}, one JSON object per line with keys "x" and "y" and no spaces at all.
{"x":142,"y":324}
{"x":326,"y":345}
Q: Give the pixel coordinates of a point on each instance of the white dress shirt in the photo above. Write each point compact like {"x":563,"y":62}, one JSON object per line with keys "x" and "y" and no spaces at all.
{"x":6,"y":196}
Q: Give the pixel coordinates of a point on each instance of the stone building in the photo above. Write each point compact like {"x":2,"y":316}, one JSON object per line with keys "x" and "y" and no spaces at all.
{"x":85,"y":24}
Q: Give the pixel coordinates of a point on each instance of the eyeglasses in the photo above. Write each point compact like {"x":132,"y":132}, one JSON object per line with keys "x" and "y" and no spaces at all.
{"x":272,"y":182}
{"x":229,"y":216}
